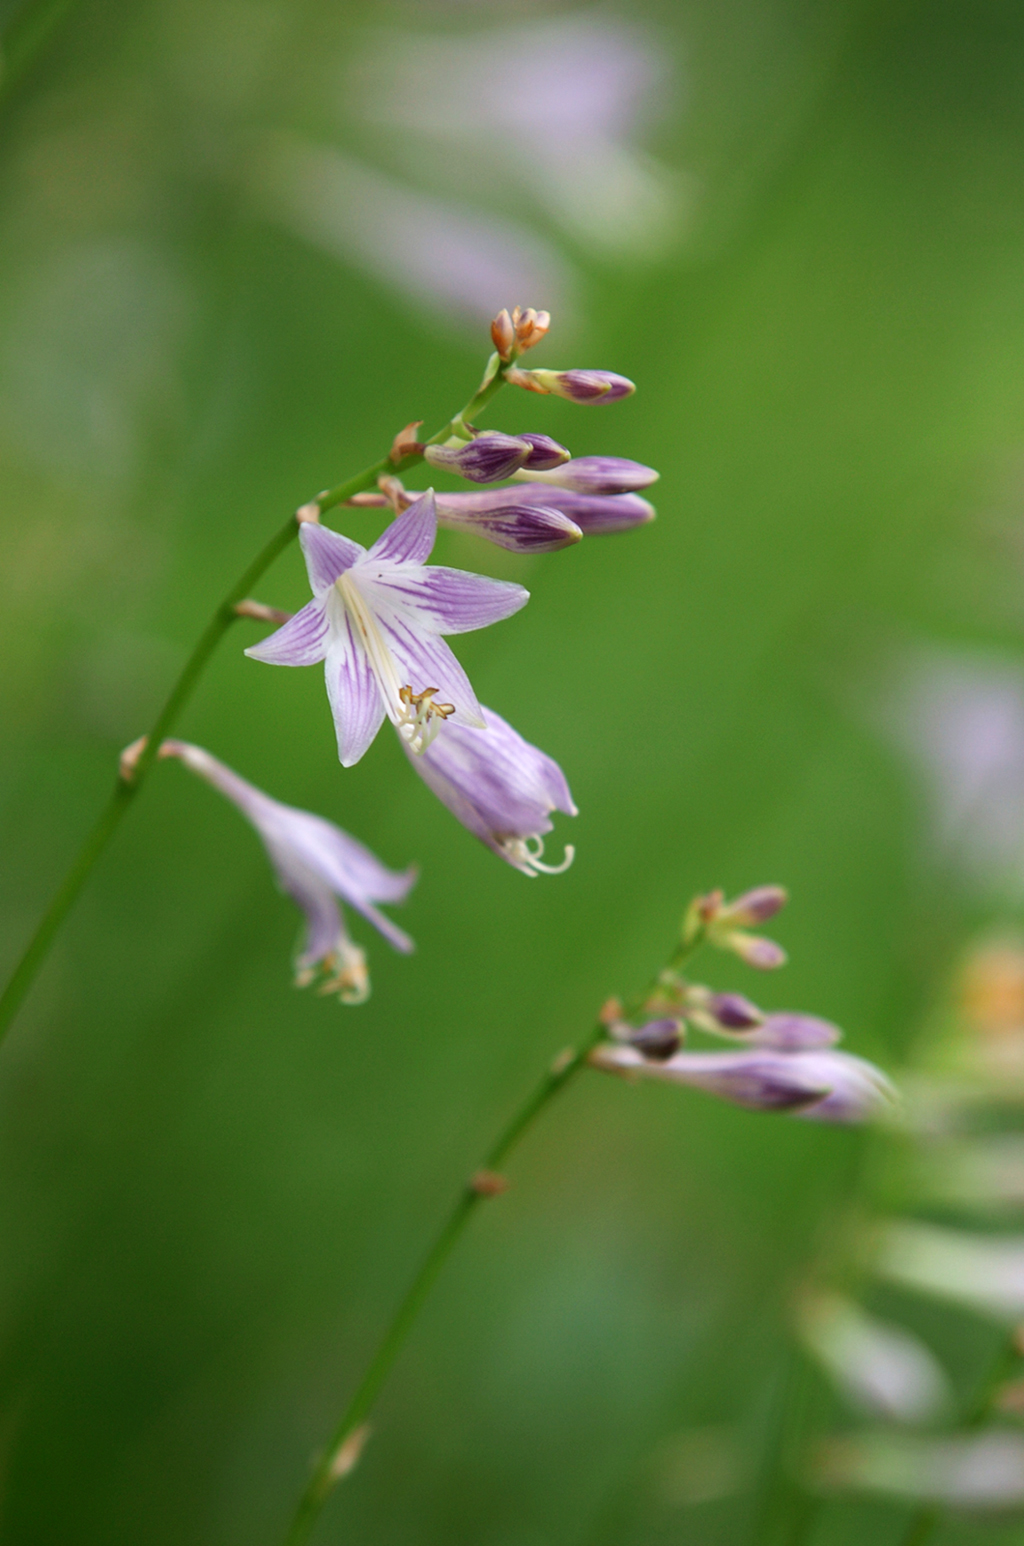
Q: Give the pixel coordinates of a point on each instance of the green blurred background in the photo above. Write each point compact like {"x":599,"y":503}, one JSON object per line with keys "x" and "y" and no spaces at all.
{"x":224,"y":284}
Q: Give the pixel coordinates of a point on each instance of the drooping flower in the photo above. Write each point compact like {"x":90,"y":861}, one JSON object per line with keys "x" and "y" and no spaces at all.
{"x":821,"y":1085}
{"x":500,"y":787}
{"x":376,"y":620}
{"x":315,"y":863}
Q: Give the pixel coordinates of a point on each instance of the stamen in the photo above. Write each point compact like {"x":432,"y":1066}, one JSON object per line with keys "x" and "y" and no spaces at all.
{"x":421,"y":719}
{"x":529,"y":859}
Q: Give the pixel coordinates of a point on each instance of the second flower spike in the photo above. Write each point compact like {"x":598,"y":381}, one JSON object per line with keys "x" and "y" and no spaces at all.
{"x":376,"y":621}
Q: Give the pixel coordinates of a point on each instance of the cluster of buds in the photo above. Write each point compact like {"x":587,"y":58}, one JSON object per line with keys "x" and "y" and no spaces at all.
{"x":727,"y":925}
{"x":789,"y":1062}
{"x":513,"y":334}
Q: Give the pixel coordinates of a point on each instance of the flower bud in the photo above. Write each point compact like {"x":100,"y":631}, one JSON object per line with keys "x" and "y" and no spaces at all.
{"x":530,"y":327}
{"x":485,"y":459}
{"x":658,"y":1039}
{"x":596,"y":475}
{"x":794,"y":1032}
{"x":503,"y":517}
{"x":544,"y":454}
{"x":596,"y":515}
{"x":503,"y":334}
{"x":734,"y":1012}
{"x":755,"y":906}
{"x":579,"y":386}
{"x":763,"y":954}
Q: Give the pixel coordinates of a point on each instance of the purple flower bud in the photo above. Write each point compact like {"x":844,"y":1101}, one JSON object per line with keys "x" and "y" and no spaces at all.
{"x":794,"y":1032}
{"x":579,"y":386}
{"x":764,"y":954}
{"x":734,"y":1012}
{"x":755,"y":906}
{"x":598,"y":475}
{"x":545,"y":453}
{"x":504,"y":517}
{"x":658,"y":1039}
{"x":597,"y":515}
{"x":486,"y":459}
{"x":821,"y":1086}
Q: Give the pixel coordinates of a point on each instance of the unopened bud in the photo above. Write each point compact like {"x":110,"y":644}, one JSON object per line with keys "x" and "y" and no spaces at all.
{"x":701,"y":912}
{"x":530,"y":327}
{"x":658,"y":1039}
{"x":503,"y":334}
{"x":545,"y":453}
{"x":734,"y":1012}
{"x":486,"y":459}
{"x":579,"y":386}
{"x":504,"y":517}
{"x":597,"y":475}
{"x":755,"y":906}
{"x":754,"y":949}
{"x":794,"y":1032}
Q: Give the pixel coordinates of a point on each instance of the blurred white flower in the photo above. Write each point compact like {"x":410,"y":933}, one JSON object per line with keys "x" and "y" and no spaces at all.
{"x":982,"y":1272}
{"x":984,"y":1470}
{"x":883,"y":1369}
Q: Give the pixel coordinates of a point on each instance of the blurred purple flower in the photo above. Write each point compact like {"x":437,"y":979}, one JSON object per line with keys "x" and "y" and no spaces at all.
{"x":315,"y":862}
{"x":376,"y":620}
{"x":821,"y":1086}
{"x":500,"y":787}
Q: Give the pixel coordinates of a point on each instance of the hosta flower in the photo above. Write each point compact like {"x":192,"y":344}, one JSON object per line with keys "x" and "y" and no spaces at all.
{"x":823,"y":1085}
{"x":500,"y":787}
{"x":315,"y":863}
{"x":597,"y":515}
{"x":376,"y":621}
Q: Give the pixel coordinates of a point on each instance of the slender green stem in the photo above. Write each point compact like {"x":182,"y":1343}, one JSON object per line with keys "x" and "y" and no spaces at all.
{"x":126,"y":790}
{"x":337,"y":1458}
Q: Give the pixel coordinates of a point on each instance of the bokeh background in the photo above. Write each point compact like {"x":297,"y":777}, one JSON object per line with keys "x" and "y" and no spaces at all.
{"x":242,"y":242}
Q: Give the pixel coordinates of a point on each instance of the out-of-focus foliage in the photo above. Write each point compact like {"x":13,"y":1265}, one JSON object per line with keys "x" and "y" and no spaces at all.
{"x":242,"y":242}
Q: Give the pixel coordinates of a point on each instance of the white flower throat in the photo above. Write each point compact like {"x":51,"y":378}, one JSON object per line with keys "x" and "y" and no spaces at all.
{"x":415,"y":714}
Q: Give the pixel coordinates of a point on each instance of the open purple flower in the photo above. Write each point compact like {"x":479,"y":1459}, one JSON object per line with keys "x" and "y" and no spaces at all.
{"x":315,"y":863}
{"x":821,"y":1085}
{"x":500,"y":787}
{"x":376,"y":621}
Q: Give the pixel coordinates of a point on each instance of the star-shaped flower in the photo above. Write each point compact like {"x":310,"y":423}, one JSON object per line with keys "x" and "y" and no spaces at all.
{"x":376,"y":620}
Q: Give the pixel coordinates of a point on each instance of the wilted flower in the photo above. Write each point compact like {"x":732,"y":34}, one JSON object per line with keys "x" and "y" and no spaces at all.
{"x":597,"y":475}
{"x":822,"y":1086}
{"x":500,"y":787}
{"x":881,"y":1368}
{"x":579,"y":386}
{"x":315,"y":862}
{"x":376,"y":619}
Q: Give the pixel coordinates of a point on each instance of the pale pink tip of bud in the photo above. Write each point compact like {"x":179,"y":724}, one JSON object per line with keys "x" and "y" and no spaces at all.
{"x":754,"y":949}
{"x":503,"y":334}
{"x":309,"y":512}
{"x":755,"y":906}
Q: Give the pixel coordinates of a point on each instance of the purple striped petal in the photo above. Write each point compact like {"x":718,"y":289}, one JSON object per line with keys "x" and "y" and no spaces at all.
{"x":423,"y":660}
{"x":598,"y":475}
{"x":579,"y":386}
{"x":356,"y":701}
{"x":302,"y":641}
{"x":327,"y":554}
{"x":508,"y":521}
{"x":442,"y":600}
{"x":410,"y":538}
{"x":595,"y":514}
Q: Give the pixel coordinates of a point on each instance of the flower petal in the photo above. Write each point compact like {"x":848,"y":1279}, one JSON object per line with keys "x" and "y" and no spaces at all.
{"x":424,"y":660}
{"x":327,"y":554}
{"x":302,"y":641}
{"x":441,"y":600}
{"x":355,"y":699}
{"x":410,"y":538}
